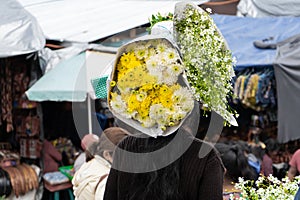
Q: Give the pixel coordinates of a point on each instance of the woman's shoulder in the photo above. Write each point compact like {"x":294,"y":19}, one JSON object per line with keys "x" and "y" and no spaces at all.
{"x":128,"y":142}
{"x":203,"y":147}
{"x":197,"y":149}
{"x":203,"y":150}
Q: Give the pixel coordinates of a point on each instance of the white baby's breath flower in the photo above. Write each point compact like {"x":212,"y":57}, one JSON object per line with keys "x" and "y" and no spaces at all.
{"x":267,"y":188}
{"x":209,"y":64}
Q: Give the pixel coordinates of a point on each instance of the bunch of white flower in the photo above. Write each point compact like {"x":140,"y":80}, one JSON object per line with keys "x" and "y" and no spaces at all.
{"x":208,"y":61}
{"x":266,"y":188}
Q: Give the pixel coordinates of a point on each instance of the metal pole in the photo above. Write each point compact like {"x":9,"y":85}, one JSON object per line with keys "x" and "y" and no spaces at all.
{"x":89,"y":113}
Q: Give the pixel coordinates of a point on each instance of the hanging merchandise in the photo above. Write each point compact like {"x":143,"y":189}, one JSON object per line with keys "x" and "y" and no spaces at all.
{"x":6,"y":93}
{"x":30,"y":148}
{"x":15,"y":77}
{"x":32,"y":125}
{"x":255,"y":89}
{"x":9,"y":158}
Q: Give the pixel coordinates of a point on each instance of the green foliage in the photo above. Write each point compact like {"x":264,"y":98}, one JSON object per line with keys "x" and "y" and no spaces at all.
{"x":159,"y":18}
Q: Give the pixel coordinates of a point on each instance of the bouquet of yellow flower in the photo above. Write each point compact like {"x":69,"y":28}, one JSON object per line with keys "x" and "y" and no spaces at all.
{"x":147,"y":87}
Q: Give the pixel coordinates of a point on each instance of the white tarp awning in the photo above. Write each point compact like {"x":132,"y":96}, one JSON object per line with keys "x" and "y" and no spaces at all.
{"x":91,"y":20}
{"x":71,"y":79}
{"x":20,"y":32}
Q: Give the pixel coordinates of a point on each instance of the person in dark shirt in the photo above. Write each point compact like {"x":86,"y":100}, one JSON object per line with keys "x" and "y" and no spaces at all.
{"x":187,"y":178}
{"x":174,"y":167}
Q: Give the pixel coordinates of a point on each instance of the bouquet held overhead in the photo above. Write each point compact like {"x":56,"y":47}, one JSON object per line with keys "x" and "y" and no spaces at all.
{"x":156,"y":78}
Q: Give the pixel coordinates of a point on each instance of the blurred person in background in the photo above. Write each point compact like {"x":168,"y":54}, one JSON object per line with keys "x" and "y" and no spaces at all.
{"x":52,"y":157}
{"x":295,"y":169}
{"x":294,"y":165}
{"x":271,"y":150}
{"x":86,"y":141}
{"x":90,"y":179}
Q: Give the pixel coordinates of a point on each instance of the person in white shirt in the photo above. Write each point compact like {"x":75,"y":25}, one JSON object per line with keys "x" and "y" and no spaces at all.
{"x":90,"y":179}
{"x":86,"y":141}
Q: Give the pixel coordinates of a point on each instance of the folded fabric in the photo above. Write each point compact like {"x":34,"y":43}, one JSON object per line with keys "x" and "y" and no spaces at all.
{"x":54,"y":178}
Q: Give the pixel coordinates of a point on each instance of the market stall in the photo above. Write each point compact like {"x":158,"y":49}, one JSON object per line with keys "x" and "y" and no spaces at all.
{"x":84,"y":72}
{"x":21,"y":39}
{"x":255,"y":64}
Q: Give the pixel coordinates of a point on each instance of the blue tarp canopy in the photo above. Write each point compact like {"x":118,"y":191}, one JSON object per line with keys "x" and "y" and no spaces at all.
{"x":241,"y":32}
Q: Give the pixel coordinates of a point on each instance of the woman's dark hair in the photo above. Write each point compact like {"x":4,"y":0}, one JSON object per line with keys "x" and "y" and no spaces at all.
{"x":271,"y":145}
{"x":162,"y":184}
{"x":235,"y":161}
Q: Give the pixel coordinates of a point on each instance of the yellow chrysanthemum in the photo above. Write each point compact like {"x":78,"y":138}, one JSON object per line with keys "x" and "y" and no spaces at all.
{"x":125,"y":59}
{"x":171,"y":123}
{"x":156,"y":86}
{"x":166,"y":101}
{"x":164,"y":90}
{"x":133,"y":103}
{"x":146,"y":87}
{"x":113,"y":83}
{"x":144,"y":112}
{"x":113,"y":95}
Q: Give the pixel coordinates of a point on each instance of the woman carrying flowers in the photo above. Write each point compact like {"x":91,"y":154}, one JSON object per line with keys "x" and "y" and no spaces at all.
{"x":150,"y":95}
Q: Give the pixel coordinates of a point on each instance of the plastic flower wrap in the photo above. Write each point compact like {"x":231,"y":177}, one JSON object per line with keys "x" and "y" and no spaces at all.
{"x":147,"y":87}
{"x":208,"y":61}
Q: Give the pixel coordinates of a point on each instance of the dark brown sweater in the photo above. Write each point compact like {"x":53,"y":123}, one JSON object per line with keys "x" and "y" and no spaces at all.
{"x":197,"y":178}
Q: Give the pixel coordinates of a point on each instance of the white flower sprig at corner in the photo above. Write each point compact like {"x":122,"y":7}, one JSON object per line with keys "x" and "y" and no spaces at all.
{"x":148,"y":88}
{"x":266,"y":188}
